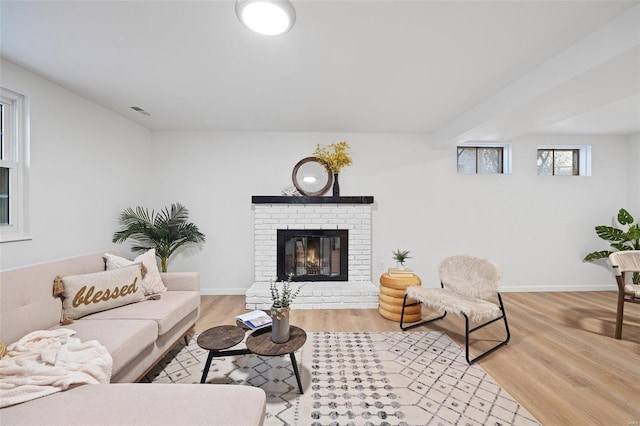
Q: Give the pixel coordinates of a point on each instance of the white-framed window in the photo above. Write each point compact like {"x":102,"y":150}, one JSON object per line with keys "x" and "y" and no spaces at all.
{"x":484,"y":158}
{"x":14,"y":166}
{"x":564,"y":160}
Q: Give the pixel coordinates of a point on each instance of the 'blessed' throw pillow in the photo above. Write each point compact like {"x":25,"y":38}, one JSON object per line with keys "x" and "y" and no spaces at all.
{"x":151,"y":281}
{"x":89,"y":293}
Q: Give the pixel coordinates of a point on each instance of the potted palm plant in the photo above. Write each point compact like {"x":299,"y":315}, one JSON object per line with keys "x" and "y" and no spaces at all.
{"x":166,"y":231}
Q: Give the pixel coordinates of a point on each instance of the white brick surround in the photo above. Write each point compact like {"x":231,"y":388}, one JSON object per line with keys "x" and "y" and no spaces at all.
{"x":358,"y":292}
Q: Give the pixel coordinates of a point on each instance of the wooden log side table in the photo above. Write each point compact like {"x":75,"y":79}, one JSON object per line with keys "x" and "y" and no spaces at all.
{"x":259,"y":342}
{"x":392,"y":291}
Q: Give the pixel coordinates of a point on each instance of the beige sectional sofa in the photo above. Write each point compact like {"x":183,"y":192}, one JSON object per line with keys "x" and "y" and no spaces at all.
{"x":137,"y":336}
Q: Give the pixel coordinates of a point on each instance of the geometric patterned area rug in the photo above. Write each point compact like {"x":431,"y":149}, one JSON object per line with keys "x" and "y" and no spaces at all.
{"x":394,"y":378}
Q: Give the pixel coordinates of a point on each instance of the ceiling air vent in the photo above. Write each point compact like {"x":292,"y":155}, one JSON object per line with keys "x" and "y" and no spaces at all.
{"x":140,"y":110}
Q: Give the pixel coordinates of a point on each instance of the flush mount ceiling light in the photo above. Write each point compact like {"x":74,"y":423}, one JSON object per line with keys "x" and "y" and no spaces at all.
{"x":267,"y":17}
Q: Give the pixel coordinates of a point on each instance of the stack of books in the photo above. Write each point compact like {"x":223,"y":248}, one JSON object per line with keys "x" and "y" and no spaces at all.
{"x":395,"y":272}
{"x":255,"y":319}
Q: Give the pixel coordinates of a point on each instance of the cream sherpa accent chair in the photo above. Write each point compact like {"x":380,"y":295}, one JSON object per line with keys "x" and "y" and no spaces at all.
{"x":468,"y":283}
{"x":622,"y":262}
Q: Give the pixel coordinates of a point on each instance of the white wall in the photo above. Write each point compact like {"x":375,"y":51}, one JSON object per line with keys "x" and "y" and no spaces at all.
{"x":537,"y":229}
{"x":87,"y":164}
{"x":633,"y":180}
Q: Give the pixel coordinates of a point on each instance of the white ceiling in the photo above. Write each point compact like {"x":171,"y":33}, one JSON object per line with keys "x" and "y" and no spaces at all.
{"x":457,"y":69}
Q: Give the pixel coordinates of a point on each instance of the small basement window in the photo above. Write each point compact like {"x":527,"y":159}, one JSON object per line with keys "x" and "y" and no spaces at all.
{"x":564,"y":161}
{"x":484,"y":159}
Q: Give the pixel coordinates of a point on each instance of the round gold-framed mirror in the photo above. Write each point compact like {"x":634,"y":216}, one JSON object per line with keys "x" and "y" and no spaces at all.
{"x":311,"y":178}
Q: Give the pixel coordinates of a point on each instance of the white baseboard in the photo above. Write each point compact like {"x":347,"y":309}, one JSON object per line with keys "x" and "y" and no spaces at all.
{"x":222,"y":291}
{"x":555,"y":288}
{"x":503,"y":289}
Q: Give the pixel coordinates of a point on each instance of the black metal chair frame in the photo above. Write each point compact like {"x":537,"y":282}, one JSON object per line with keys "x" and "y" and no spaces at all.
{"x":468,"y":330}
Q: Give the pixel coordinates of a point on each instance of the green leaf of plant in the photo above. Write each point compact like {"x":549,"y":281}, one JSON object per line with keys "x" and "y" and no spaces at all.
{"x":624,"y":217}
{"x":621,"y":246}
{"x":610,"y":234}
{"x":597,"y":255}
{"x":634,"y":232}
{"x":166,"y":231}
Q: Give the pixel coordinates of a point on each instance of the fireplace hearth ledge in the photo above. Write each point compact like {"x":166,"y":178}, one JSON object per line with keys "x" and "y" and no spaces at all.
{"x":320,"y":295}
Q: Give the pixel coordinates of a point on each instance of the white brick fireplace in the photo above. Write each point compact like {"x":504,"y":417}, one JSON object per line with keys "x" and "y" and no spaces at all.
{"x":347,"y":213}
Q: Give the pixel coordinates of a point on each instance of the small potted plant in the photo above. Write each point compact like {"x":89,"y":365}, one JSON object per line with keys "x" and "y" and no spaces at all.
{"x":281,"y":310}
{"x":400,"y":256}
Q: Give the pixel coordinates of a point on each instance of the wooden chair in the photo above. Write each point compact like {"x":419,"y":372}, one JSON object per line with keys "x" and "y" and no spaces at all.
{"x":623,"y":262}
{"x":468,"y":285}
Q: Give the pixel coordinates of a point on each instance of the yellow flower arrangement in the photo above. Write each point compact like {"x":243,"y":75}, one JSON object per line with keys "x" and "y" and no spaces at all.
{"x":334,"y":157}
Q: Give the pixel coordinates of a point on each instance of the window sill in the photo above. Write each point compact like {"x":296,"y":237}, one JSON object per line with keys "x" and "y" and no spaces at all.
{"x":14,"y":238}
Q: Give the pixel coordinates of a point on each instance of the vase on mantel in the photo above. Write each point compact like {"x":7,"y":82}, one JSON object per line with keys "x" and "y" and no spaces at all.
{"x":336,"y":185}
{"x":280,"y":324}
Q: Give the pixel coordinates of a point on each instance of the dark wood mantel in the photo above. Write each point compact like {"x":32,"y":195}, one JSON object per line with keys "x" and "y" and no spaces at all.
{"x":278,"y":199}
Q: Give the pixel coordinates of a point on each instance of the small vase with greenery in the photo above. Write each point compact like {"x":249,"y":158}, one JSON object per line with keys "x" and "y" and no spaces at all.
{"x":401,"y":256}
{"x":166,"y":231}
{"x":620,"y":239}
{"x":281,"y":310}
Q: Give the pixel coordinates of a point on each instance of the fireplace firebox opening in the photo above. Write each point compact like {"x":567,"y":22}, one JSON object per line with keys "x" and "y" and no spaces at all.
{"x":313,"y":254}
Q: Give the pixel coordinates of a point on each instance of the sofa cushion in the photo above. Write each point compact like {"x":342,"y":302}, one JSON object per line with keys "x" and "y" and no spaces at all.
{"x":26,"y":302}
{"x":123,"y":339}
{"x":151,"y":281}
{"x":144,"y":404}
{"x":166,"y":312}
{"x":88,"y":293}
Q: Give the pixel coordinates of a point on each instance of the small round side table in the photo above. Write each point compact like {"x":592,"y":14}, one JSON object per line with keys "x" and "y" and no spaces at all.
{"x":259,"y":342}
{"x":216,"y":339}
{"x":392,"y":291}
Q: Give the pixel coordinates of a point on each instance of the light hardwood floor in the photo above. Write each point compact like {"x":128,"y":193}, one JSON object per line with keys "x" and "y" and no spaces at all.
{"x":561,"y":363}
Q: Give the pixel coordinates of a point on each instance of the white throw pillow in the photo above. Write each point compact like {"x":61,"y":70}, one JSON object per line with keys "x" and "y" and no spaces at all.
{"x":89,"y":293}
{"x":151,"y":281}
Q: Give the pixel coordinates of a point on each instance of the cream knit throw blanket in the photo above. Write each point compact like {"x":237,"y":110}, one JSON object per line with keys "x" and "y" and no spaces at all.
{"x":48,"y":361}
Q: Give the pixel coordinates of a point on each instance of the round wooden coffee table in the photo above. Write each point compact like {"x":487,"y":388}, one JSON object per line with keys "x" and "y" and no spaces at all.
{"x":216,"y":339}
{"x":259,"y":342}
